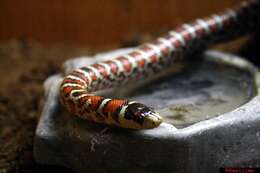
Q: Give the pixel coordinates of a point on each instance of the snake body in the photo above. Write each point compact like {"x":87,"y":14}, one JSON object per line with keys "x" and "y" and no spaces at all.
{"x":146,"y":60}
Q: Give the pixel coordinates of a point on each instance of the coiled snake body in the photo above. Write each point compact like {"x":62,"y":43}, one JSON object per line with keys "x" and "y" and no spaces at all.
{"x":147,"y":59}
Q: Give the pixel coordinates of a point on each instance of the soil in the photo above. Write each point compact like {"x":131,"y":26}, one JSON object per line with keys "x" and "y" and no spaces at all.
{"x":23,"y":68}
{"x":24,"y":65}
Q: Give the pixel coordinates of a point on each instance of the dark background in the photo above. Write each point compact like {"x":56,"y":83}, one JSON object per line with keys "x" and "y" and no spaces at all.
{"x":36,"y":37}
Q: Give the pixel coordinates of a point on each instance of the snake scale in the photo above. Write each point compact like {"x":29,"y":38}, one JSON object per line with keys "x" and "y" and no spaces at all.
{"x":146,"y":60}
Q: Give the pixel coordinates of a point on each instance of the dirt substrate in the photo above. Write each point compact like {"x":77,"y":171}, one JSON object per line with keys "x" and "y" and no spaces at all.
{"x":23,"y":68}
{"x":24,"y":65}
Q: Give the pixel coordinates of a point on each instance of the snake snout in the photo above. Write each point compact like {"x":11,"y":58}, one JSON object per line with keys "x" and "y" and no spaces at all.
{"x":151,"y":120}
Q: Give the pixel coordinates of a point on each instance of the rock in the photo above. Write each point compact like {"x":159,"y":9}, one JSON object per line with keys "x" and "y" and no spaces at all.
{"x":211,"y":109}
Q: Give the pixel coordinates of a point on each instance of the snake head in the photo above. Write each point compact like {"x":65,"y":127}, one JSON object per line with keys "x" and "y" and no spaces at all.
{"x":143,"y":116}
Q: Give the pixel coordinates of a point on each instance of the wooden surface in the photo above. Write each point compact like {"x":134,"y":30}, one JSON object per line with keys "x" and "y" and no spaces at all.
{"x":98,"y":23}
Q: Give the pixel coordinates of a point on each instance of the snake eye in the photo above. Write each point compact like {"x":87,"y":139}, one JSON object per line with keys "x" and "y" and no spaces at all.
{"x":128,"y":115}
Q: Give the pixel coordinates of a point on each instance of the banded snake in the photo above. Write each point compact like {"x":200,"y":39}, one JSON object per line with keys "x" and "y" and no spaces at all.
{"x":146,"y":60}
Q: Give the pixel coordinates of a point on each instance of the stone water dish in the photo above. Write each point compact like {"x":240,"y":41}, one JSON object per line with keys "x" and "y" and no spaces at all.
{"x":211,"y":111}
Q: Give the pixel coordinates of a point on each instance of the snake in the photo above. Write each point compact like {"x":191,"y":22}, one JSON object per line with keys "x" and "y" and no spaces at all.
{"x":77,"y":87}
